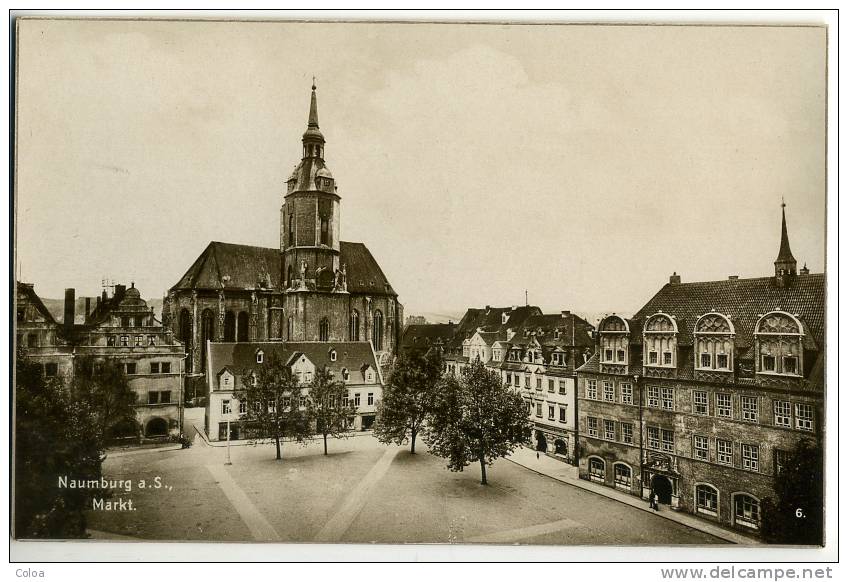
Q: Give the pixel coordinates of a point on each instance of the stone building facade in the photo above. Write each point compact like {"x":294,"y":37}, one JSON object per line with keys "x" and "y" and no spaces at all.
{"x":314,"y":287}
{"x":39,"y":336}
{"x":702,"y":394}
{"x":354,"y":363}
{"x":534,"y":353}
{"x":120,"y":328}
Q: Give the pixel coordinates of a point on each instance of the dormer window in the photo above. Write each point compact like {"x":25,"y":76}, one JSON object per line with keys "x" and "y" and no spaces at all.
{"x":660,"y":341}
{"x":345,"y":374}
{"x":714,"y":333}
{"x":779,"y":340}
{"x":504,"y":318}
{"x":260,"y":357}
{"x":615,"y":337}
{"x":333,"y":355}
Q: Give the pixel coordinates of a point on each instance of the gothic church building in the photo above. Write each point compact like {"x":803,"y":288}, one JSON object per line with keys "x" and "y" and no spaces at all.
{"x":315,"y":287}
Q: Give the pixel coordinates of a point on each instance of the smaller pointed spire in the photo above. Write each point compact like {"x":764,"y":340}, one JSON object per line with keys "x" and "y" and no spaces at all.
{"x":785,"y":262}
{"x":313,"y":107}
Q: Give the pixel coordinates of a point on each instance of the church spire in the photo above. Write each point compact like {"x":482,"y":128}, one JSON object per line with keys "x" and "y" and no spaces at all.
{"x":313,"y":139}
{"x":785,"y":264}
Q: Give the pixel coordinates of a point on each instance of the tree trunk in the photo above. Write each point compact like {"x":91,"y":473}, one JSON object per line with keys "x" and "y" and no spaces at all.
{"x":277,"y":439}
{"x":325,"y":444}
{"x":483,"y":470}
{"x":412,"y":449}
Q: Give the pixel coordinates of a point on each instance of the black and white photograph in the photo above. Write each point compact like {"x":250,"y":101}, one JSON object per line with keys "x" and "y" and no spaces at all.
{"x":476,"y":284}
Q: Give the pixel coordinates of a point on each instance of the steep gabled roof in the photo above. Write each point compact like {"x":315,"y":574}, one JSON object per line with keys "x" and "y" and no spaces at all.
{"x":250,"y":267}
{"x":350,"y":355}
{"x":28,"y":290}
{"x":743,"y":300}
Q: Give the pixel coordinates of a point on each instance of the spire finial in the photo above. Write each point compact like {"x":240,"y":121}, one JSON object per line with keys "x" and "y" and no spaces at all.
{"x":785,"y":261}
{"x":313,"y":107}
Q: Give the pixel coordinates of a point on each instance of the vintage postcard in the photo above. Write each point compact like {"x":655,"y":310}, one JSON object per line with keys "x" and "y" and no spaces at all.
{"x":457,"y":283}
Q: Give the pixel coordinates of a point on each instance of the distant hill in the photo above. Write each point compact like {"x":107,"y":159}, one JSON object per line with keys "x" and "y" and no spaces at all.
{"x":56,"y":307}
{"x":432,"y":317}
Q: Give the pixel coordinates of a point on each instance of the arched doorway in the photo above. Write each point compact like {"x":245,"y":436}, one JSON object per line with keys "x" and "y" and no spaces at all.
{"x":560,"y":447}
{"x":156,"y":427}
{"x":541,"y":442}
{"x":662,"y":487}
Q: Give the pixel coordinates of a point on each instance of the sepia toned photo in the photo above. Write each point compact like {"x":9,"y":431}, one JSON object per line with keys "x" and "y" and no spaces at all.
{"x":486,"y":283}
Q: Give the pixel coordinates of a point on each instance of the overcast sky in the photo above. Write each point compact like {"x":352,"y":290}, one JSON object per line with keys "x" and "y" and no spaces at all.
{"x":582,"y":163}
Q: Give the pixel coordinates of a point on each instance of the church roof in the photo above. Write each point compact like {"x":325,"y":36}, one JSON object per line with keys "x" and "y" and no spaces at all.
{"x":249,"y":267}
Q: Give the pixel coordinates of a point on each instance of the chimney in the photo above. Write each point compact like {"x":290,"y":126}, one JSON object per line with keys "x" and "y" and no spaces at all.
{"x":70,"y":300}
{"x":733,"y":278}
{"x":566,"y":313}
{"x":674,"y":279}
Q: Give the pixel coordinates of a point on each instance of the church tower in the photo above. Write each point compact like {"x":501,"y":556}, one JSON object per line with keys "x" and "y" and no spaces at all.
{"x":785,"y":264}
{"x":309,"y":217}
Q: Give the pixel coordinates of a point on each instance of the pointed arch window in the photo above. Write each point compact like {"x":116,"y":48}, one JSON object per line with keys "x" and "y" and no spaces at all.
{"x":325,"y":231}
{"x":354,"y":326}
{"x":290,"y":328}
{"x":324,"y":330}
{"x":229,"y":327}
{"x":377,"y":332}
{"x":243,"y":327}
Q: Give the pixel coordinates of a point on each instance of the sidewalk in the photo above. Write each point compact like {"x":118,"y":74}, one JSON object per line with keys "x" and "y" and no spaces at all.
{"x":568,"y":474}
{"x":204,"y":438}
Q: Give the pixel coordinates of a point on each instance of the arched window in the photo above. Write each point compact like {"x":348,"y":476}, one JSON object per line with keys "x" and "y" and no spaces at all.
{"x":660,"y":341}
{"x":291,"y":232}
{"x":597,"y":469}
{"x":615,"y":337}
{"x":377,"y":332}
{"x":714,"y":335}
{"x":260,"y":356}
{"x":325,"y":231}
{"x":243,"y":327}
{"x":184,"y":326}
{"x":290,"y":328}
{"x":706,"y":499}
{"x":324,"y":330}
{"x":333,"y":355}
{"x":207,"y":333}
{"x":779,"y":338}
{"x":623,"y":476}
{"x":354,"y":326}
{"x":746,"y":510}
{"x":289,"y":276}
{"x":230,"y":327}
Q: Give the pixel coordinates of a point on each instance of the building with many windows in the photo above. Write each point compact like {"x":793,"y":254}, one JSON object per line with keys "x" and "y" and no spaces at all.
{"x":355,"y":363}
{"x":120,"y":328}
{"x":314,"y":287}
{"x":539,"y":359}
{"x":536,"y":354}
{"x":701,"y":395}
